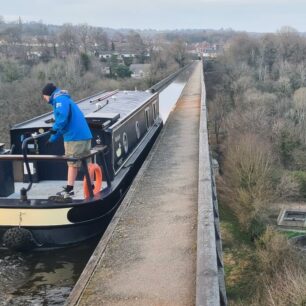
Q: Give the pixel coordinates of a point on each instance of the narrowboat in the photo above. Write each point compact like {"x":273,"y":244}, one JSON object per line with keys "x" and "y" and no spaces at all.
{"x":124,"y":125}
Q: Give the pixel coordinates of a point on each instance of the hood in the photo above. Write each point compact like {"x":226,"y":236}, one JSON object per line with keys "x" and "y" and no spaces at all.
{"x":57,"y":93}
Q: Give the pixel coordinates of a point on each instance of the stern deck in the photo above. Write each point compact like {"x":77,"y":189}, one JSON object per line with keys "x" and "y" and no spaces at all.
{"x":44,"y":189}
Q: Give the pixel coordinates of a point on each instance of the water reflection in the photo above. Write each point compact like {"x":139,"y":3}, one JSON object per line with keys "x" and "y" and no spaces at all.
{"x":169,"y":96}
{"x":42,"y":278}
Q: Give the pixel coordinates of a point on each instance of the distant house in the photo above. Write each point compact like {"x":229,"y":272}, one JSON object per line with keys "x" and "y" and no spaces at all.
{"x":205,"y":49}
{"x":128,"y":55}
{"x":33,"y":55}
{"x":140,"y":71}
{"x":210,"y":53}
{"x":107,"y":55}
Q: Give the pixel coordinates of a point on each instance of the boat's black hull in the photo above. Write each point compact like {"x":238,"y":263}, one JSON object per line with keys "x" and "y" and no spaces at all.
{"x":84,"y":220}
{"x":48,"y":237}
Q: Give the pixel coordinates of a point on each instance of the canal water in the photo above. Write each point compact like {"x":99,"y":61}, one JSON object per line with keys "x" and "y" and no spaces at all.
{"x":46,"y":278}
{"x":169,"y":96}
{"x":41,"y":278}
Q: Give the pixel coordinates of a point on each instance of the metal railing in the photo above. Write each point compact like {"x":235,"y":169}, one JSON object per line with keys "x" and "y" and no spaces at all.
{"x":165,"y":82}
{"x":36,"y":157}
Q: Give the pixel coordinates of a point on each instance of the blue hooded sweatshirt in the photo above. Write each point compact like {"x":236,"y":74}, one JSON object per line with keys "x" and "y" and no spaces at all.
{"x":69,"y":119}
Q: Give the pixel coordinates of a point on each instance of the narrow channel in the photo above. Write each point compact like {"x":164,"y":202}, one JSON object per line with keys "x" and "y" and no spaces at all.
{"x":46,"y":278}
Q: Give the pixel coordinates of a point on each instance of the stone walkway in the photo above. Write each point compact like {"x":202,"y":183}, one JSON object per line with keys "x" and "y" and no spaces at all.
{"x":150,"y":257}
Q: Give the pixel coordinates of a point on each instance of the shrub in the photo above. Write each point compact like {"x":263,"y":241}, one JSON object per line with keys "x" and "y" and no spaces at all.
{"x":287,"y":288}
{"x":273,"y":251}
{"x":288,"y":187}
{"x":248,"y":177}
{"x":257,"y":227}
{"x":300,"y":176}
{"x":10,"y":70}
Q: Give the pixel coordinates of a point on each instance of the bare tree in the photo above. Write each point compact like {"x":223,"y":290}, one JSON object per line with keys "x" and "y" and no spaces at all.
{"x":247,"y":168}
{"x":84,"y":34}
{"x":291,"y":44}
{"x":137,"y":46}
{"x":179,"y":51}
{"x":299,"y":115}
{"x":268,"y":55}
{"x":100,"y":40}
{"x":218,"y":109}
{"x":68,"y":39}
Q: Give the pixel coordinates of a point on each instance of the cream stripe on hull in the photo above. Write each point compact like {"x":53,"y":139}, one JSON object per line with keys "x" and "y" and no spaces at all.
{"x":34,"y":217}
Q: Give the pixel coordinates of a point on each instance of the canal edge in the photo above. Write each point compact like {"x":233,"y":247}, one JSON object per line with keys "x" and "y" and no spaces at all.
{"x":77,"y":291}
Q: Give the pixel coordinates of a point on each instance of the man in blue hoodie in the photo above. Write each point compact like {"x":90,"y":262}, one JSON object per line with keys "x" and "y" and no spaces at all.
{"x":71,"y":124}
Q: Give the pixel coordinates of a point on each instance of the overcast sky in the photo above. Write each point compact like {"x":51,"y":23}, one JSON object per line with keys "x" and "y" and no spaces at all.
{"x":246,"y":15}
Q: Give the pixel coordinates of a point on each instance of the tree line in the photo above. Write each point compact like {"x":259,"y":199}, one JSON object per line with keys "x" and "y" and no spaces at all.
{"x":257,"y":119}
{"x":72,"y":56}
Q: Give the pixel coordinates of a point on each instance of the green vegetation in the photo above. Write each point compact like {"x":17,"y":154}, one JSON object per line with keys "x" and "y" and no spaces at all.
{"x":257,"y":118}
{"x":292,"y":234}
{"x":237,"y":256}
{"x":300,"y":177}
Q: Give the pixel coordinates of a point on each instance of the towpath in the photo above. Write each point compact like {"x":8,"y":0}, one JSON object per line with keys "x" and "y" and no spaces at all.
{"x":148,"y":255}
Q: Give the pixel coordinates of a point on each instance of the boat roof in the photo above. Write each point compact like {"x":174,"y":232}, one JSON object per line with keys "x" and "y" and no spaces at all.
{"x":103,"y":105}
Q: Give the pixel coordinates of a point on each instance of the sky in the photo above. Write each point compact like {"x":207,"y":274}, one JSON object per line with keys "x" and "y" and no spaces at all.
{"x":239,"y":15}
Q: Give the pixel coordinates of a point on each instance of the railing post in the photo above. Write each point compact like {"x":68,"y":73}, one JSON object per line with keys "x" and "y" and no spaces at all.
{"x":23,"y":192}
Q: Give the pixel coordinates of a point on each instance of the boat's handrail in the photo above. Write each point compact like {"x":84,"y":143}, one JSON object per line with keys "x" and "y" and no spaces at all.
{"x":36,"y":157}
{"x":34,"y":136}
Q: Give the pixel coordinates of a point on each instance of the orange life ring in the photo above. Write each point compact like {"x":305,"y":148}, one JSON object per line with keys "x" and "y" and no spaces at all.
{"x":94,"y":172}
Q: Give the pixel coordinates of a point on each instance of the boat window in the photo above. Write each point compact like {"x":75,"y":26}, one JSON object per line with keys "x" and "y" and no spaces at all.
{"x":147,"y":117}
{"x":154,"y":110}
{"x":137,"y":129}
{"x":125,"y":142}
